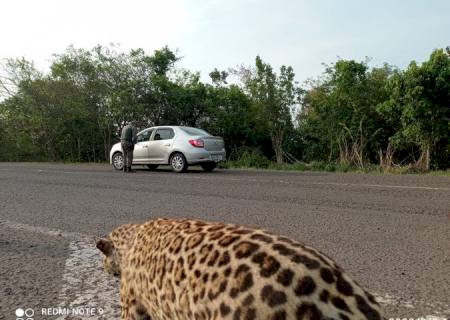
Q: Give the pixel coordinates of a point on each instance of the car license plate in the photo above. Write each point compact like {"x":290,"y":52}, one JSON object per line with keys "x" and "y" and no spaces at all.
{"x":216,"y":157}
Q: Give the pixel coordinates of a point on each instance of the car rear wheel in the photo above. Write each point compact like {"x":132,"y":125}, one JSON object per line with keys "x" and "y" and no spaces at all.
{"x":117,"y":161}
{"x":152,"y":166}
{"x":208,"y":166}
{"x":178,"y":162}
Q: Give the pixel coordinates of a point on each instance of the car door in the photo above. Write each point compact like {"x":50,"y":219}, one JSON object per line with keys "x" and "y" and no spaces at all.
{"x":160,"y":145}
{"x":140,"y":153}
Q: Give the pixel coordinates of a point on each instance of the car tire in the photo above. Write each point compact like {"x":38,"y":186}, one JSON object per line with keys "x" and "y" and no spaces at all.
{"x":178,"y":163}
{"x":117,"y":161}
{"x":152,"y":166}
{"x":208,"y":166}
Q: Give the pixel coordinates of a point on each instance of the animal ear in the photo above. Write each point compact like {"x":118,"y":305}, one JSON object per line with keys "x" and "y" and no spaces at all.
{"x":104,"y":245}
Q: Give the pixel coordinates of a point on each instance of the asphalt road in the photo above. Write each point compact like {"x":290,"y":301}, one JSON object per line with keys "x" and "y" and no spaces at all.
{"x":390,"y":232}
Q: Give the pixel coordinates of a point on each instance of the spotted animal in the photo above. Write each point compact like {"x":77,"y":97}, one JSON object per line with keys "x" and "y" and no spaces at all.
{"x":188,"y":269}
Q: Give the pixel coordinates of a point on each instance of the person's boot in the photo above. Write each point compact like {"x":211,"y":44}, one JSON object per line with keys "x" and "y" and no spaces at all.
{"x":125,"y":169}
{"x":131,"y":170}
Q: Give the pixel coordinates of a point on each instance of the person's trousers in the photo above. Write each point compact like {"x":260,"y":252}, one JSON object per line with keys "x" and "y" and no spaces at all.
{"x":127,"y":148}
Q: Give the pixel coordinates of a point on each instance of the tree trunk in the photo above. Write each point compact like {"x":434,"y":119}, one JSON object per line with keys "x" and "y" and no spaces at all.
{"x":279,"y":154}
{"x":423,"y":163}
{"x":386,"y":159}
{"x":330,"y":155}
{"x":104,"y":144}
{"x":344,"y":154}
{"x":79,"y":149}
{"x":277,"y":144}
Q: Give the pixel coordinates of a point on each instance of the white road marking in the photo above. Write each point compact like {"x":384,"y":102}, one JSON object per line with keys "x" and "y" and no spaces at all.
{"x":43,"y":230}
{"x":327,"y":183}
{"x":380,"y":186}
{"x":85,"y":284}
{"x":272,"y":181}
{"x":67,"y":172}
{"x":441,"y":311}
{"x":364,"y":185}
{"x":388,"y":299}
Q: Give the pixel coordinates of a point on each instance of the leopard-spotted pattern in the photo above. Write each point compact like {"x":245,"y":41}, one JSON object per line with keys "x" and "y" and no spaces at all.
{"x":189,"y":269}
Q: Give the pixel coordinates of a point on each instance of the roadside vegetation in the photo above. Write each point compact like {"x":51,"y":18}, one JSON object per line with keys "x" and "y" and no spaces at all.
{"x":351,"y":118}
{"x":255,"y":160}
{"x":330,"y":167}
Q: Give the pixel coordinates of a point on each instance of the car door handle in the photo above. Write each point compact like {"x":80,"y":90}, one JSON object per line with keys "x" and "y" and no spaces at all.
{"x":144,"y":146}
{"x":167,"y":144}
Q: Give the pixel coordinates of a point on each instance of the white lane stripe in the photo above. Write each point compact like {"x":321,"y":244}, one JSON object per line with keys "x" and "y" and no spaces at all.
{"x":379,"y":186}
{"x":284,"y":181}
{"x":441,"y":311}
{"x":84,"y":282}
{"x":328,"y":183}
{"x":68,"y":172}
{"x":387,"y":299}
{"x":43,"y":230}
{"x":86,"y":285}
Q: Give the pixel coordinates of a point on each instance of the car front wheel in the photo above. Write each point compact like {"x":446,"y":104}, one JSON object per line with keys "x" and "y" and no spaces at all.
{"x":117,"y":161}
{"x":208,"y":166}
{"x":178,"y":162}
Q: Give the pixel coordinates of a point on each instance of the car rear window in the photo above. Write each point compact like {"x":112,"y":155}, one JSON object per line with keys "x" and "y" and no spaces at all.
{"x":194,"y":131}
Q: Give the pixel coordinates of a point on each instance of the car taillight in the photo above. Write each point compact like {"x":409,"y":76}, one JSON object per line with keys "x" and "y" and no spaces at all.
{"x":198,"y":143}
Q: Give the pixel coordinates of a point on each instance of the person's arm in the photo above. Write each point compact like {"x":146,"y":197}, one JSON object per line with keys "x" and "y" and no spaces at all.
{"x":134,"y":135}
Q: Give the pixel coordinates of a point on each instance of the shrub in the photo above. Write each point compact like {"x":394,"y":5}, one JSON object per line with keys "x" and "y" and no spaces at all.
{"x":250,"y":158}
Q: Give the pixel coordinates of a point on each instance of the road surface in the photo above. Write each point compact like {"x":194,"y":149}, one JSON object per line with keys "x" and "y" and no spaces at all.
{"x":390,"y":232}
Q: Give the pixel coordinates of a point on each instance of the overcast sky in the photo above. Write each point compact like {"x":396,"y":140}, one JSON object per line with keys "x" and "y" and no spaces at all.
{"x":225,"y":33}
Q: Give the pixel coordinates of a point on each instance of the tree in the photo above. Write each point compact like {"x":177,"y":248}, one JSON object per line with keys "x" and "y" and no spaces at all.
{"x":162,"y":60}
{"x":352,"y":114}
{"x":274,"y":96}
{"x":339,"y":112}
{"x":420,"y":101}
{"x":218,"y":78}
{"x":232,"y":116}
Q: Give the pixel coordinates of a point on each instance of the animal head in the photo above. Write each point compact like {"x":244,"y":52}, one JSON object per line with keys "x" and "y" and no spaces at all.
{"x":115,"y":246}
{"x":111,"y":258}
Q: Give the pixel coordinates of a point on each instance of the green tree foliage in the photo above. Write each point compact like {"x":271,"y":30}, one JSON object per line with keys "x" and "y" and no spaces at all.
{"x":274,"y":96}
{"x":353,"y":114}
{"x":419,"y":108}
{"x":232,"y":116}
{"x":339,"y":118}
{"x":218,"y":77}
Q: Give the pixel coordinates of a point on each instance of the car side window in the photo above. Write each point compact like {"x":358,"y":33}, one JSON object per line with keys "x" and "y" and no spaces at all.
{"x":144,"y":136}
{"x":164,"y":134}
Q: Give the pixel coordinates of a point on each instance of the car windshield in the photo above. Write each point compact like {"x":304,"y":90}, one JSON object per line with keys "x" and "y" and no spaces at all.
{"x":194,"y":131}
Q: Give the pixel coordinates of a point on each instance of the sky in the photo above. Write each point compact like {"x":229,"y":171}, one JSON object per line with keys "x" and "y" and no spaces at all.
{"x":221,"y":34}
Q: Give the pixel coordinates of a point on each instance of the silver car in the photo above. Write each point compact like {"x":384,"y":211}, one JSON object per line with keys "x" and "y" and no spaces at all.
{"x":176,"y":146}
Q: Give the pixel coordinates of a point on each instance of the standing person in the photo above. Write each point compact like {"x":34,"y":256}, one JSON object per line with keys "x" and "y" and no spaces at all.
{"x":128,"y":139}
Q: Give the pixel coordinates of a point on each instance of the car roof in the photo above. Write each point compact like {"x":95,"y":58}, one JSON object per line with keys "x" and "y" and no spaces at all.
{"x":166,"y":127}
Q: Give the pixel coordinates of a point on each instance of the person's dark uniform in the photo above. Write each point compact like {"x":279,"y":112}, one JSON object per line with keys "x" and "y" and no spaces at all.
{"x":128,"y":139}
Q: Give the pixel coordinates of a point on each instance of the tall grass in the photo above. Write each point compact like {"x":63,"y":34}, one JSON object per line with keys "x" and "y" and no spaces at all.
{"x":254,"y":159}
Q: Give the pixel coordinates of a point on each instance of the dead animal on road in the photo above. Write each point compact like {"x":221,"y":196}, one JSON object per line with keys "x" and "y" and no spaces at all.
{"x":190,"y":269}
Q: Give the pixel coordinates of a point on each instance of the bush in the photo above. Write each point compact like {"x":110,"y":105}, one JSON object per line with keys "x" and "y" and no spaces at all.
{"x":250,"y":158}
